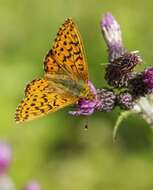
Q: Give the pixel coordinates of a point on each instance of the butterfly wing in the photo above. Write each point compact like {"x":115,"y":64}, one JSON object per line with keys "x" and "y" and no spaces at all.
{"x":68,"y":53}
{"x":51,"y":66}
{"x":67,"y":58}
{"x":41,"y":98}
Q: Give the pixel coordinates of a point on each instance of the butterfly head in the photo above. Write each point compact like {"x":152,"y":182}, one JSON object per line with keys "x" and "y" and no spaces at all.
{"x":89,"y":92}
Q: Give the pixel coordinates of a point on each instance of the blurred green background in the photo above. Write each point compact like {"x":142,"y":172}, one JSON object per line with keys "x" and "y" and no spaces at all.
{"x":56,"y":150}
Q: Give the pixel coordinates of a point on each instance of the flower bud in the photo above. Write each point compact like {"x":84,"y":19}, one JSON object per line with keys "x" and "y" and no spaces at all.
{"x":125,"y":100}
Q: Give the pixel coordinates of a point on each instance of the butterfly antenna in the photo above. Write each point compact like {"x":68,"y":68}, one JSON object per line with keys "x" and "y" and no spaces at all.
{"x":104,"y":64}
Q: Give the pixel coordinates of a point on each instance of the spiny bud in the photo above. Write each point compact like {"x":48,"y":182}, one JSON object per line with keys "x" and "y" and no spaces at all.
{"x":137,"y":86}
{"x":142,"y":83}
{"x":119,"y":72}
{"x":106,"y":100}
{"x":147,"y":77}
{"x":125,"y":100}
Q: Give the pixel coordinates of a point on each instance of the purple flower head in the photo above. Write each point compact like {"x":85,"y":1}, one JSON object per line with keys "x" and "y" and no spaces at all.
{"x":32,"y":185}
{"x":128,"y":61}
{"x":5,"y":157}
{"x":119,"y":72}
{"x":136,"y":86}
{"x":112,"y":35}
{"x":142,"y":83}
{"x":147,"y":77}
{"x":104,"y":101}
{"x":86,"y":106}
{"x":111,"y":30}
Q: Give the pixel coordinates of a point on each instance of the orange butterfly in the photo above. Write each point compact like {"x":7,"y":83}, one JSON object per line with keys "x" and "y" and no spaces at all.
{"x":65,"y":81}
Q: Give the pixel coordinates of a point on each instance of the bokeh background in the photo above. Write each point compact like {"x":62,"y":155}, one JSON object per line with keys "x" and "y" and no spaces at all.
{"x":57,"y":150}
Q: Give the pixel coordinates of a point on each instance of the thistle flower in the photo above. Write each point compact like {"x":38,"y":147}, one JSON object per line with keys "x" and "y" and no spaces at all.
{"x":113,"y":37}
{"x":5,"y":157}
{"x":125,"y":100}
{"x":147,"y":77}
{"x":32,"y":185}
{"x":119,"y":72}
{"x":142,"y":83}
{"x":137,"y":87}
{"x":104,"y":101}
{"x":122,"y":62}
{"x":86,"y":106}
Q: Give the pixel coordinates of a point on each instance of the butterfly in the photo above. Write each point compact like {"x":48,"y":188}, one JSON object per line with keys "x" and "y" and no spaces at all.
{"x":65,"y":80}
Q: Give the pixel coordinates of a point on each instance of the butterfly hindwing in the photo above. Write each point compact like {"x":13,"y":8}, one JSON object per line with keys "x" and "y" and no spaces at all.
{"x":42,"y":98}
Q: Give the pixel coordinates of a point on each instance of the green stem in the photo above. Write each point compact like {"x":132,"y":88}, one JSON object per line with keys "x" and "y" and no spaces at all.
{"x":122,"y":116}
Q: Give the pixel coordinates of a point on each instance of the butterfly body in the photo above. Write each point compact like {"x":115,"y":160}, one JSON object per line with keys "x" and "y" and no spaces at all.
{"x":65,"y":81}
{"x":77,"y":88}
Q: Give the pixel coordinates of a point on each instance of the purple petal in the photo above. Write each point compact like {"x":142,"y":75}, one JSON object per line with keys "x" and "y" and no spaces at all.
{"x":93,"y":89}
{"x":112,"y":35}
{"x":148,"y":77}
{"x":87,"y":111}
{"x":107,"y":20}
{"x":87,"y":104}
{"x":111,"y":30}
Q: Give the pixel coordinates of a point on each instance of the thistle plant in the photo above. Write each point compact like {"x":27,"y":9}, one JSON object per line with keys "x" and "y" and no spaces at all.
{"x":133,"y":90}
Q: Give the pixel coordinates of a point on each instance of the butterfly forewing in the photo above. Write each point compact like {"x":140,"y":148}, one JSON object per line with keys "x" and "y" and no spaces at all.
{"x":68,"y":51}
{"x":51,"y":66}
